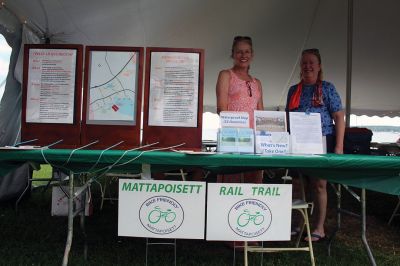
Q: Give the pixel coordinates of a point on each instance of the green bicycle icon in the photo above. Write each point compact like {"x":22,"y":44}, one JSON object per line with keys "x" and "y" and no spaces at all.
{"x":245,"y":218}
{"x":156,"y":215}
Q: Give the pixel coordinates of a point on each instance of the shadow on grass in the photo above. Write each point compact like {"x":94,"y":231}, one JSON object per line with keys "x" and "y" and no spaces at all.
{"x":33,"y":237}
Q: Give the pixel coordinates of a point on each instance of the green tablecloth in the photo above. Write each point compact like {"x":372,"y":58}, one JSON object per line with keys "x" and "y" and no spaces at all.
{"x":378,"y":173}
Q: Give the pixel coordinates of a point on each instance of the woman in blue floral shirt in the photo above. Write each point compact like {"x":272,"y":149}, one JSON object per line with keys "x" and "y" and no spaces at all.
{"x":314,"y":95}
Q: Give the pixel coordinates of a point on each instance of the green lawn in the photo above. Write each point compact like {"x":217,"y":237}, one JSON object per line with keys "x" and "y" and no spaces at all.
{"x":33,"y":237}
{"x":44,"y":173}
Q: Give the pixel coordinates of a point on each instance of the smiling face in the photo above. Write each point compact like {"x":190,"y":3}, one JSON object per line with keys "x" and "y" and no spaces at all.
{"x":242,"y":54}
{"x":310,"y":68}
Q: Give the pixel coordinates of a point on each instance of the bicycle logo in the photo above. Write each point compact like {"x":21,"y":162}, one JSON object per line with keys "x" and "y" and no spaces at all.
{"x":157,"y":214}
{"x":246,"y":217}
{"x":161,"y":215}
{"x":249,"y":218}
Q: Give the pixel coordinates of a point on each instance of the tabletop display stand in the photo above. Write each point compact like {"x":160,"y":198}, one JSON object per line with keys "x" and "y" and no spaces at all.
{"x":51,"y":94}
{"x":173,"y":97}
{"x":112,"y":97}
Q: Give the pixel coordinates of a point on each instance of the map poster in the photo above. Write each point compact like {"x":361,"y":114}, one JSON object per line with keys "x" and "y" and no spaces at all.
{"x":113,"y":86}
{"x":174,"y":89}
{"x":51,"y":86}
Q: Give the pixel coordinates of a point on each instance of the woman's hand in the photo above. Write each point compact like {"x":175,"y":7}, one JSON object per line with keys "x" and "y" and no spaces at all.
{"x":338,"y":149}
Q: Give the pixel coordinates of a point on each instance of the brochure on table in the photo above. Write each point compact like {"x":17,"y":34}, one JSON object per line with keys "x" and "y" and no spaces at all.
{"x":271,"y":133}
{"x":235,"y":135}
{"x":237,"y":140}
{"x":248,"y":212}
{"x":306,"y":133}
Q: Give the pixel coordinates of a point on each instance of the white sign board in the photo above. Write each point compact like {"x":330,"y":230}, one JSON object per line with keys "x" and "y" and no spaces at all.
{"x":234,"y":119}
{"x":249,"y":212}
{"x":306,"y":133}
{"x":161,"y":209}
{"x":51,"y":86}
{"x":174,"y":89}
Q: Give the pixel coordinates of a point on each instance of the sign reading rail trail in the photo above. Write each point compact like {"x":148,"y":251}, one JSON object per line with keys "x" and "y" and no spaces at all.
{"x":249,"y":212}
{"x":161,"y":209}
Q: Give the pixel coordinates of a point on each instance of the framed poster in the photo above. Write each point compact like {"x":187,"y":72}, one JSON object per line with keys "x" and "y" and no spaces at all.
{"x":173,"y":104}
{"x":112,"y":96}
{"x":51,"y":99}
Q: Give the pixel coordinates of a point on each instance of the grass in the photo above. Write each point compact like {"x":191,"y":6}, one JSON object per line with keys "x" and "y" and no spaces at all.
{"x":33,"y":237}
{"x":45,"y":172}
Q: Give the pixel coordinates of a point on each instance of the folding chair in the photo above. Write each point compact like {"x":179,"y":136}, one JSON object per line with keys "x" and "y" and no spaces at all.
{"x":302,"y":207}
{"x":180,"y":174}
{"x":108,"y":179}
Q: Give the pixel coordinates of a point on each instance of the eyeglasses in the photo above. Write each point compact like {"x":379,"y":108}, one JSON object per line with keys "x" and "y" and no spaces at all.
{"x":248,"y":84}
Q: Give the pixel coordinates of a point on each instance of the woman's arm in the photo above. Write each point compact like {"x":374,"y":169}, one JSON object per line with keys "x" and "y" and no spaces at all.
{"x":222,"y":90}
{"x":260,"y":104}
{"x":338,"y":117}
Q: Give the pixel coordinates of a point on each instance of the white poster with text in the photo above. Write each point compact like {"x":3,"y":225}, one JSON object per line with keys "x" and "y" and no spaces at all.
{"x":306,"y":133}
{"x":174,"y":89}
{"x":51,"y":86}
{"x":161,"y":209}
{"x":249,"y":212}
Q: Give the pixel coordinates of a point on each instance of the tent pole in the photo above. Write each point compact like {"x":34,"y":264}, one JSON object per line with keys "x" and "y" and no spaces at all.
{"x":349,"y":59}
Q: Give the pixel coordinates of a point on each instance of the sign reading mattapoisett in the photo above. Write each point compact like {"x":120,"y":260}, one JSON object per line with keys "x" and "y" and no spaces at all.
{"x":249,"y":212}
{"x":161,"y":209}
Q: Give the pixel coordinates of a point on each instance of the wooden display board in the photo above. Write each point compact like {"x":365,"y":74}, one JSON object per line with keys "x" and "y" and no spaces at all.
{"x":51,"y":94}
{"x":173,"y":97}
{"x":112,"y":96}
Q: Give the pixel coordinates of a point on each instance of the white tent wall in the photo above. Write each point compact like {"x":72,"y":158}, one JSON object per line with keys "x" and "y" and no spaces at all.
{"x":11,"y":184}
{"x":279,"y":28}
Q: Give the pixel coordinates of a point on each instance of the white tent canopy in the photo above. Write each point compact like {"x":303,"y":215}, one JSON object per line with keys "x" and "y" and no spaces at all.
{"x":280,"y":30}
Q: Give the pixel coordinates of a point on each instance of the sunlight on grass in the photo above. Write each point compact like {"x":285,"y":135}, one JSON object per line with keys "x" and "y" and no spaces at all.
{"x":45,"y":172}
